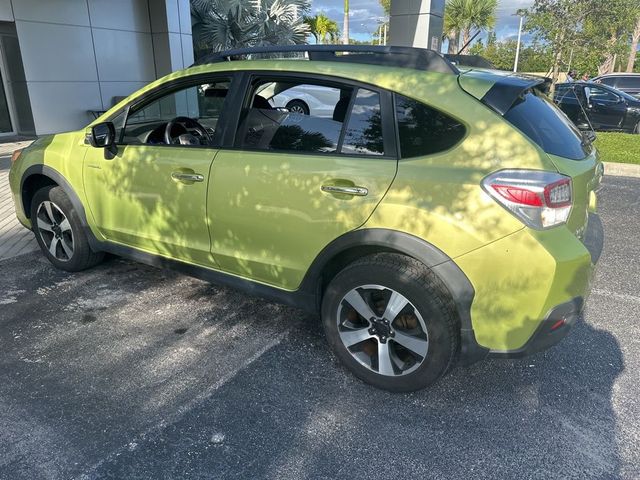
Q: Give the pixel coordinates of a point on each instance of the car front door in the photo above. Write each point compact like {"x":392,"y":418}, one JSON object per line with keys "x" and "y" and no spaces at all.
{"x":151,"y":193}
{"x":292,"y":183}
{"x":606,"y":109}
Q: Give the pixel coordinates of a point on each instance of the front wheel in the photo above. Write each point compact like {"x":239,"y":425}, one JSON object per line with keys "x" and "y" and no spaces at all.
{"x":59,"y":231}
{"x":390,"y":321}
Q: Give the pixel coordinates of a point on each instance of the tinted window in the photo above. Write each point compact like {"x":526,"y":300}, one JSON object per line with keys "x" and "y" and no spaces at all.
{"x":546,"y":125}
{"x":364,"y":130}
{"x":566,"y":94}
{"x":601,"y":94}
{"x":628,"y":82}
{"x":294,"y":116}
{"x":424,"y":130}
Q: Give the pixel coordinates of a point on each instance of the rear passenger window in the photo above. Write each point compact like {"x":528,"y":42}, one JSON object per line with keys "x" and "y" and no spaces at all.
{"x":364,"y":130}
{"x":290,"y":116}
{"x":298,"y":116}
{"x":423,"y":130}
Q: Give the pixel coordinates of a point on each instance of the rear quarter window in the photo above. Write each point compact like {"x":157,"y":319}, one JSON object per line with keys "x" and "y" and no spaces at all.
{"x":423,"y":130}
{"x":546,"y":125}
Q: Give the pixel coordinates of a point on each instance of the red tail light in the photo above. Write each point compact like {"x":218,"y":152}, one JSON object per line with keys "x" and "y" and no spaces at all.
{"x":540,"y":199}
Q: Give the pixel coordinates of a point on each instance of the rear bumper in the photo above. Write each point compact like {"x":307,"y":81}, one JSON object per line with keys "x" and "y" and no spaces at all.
{"x":556,"y":325}
{"x":530,"y":290}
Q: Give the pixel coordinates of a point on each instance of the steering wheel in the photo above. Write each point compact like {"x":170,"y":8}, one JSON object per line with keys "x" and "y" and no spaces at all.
{"x":185,"y":123}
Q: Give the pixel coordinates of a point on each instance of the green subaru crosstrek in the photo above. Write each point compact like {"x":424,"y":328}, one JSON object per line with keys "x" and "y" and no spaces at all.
{"x":429,"y":212}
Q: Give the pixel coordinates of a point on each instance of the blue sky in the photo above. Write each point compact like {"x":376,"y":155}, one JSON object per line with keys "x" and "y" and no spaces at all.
{"x":365,"y":14}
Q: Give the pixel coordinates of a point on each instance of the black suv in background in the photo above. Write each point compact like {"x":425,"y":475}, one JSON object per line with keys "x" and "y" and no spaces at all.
{"x":626,"y":82}
{"x":599,"y":106}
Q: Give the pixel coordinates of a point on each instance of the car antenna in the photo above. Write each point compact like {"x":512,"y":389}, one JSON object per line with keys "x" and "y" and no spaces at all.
{"x":469,"y":42}
{"x":592,"y":137}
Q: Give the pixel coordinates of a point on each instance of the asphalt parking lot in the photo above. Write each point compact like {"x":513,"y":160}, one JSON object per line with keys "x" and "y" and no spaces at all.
{"x":126,"y":371}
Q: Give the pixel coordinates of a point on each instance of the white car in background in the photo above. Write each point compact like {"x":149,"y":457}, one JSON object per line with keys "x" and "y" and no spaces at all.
{"x":314,"y":100}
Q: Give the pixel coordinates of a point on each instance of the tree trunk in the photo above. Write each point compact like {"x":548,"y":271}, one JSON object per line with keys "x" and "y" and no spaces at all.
{"x":453,"y":42}
{"x":466,"y":35}
{"x":345,"y":25}
{"x":557,"y":57}
{"x":609,"y":63}
{"x":635,"y":37}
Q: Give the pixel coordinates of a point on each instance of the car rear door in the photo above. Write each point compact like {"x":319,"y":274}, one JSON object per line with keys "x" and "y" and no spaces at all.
{"x":288,"y":183}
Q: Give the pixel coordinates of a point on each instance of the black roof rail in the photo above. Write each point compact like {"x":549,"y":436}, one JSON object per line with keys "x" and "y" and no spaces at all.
{"x":387,"y":55}
{"x":476,"y":61}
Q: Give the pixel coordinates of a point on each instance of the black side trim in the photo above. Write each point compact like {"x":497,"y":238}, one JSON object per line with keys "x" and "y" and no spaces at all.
{"x":298,"y":298}
{"x":544,"y":337}
{"x":454,"y":279}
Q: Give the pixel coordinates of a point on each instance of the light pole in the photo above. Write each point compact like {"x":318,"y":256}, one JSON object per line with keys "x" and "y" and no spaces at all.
{"x":515,"y":64}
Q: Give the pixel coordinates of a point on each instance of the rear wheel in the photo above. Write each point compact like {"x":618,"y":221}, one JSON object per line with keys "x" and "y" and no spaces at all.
{"x":59,"y":231}
{"x":389,"y":319}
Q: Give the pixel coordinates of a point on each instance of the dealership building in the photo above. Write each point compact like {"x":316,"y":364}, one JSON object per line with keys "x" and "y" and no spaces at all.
{"x":63,"y":60}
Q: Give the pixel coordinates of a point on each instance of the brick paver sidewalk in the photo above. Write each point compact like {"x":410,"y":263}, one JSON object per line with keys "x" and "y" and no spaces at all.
{"x":14,"y":238}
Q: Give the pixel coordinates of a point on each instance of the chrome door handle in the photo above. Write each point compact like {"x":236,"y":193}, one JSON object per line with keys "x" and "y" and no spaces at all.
{"x":187,"y":177}
{"x":356,"y":191}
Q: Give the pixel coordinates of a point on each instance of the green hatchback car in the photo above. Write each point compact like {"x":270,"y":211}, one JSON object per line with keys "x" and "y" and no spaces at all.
{"x":430,"y":213}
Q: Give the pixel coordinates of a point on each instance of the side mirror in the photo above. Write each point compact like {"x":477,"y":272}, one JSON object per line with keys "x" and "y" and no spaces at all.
{"x":103,"y":135}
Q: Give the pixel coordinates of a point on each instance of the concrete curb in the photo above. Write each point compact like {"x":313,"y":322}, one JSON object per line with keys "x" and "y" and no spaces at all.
{"x":622,"y":169}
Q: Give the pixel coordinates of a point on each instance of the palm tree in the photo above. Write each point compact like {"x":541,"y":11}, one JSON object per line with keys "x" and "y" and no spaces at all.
{"x":345,"y":24}
{"x":322,"y":27}
{"x":635,"y":39}
{"x":224,"y":24}
{"x":463,"y":16}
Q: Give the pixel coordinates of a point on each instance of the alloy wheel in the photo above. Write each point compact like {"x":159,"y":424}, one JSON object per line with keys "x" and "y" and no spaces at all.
{"x":55,"y":231}
{"x":382,"y":330}
{"x":296,"y":108}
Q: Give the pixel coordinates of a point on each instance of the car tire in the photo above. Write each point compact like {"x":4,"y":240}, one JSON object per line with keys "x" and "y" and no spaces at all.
{"x":637,"y":129}
{"x":411,"y":313}
{"x":298,"y":106}
{"x":60,"y":232}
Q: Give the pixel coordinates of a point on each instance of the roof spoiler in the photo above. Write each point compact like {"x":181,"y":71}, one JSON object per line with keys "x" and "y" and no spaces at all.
{"x":505,"y":90}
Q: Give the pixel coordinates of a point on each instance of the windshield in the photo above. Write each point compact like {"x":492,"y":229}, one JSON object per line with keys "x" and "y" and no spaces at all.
{"x":545,"y":124}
